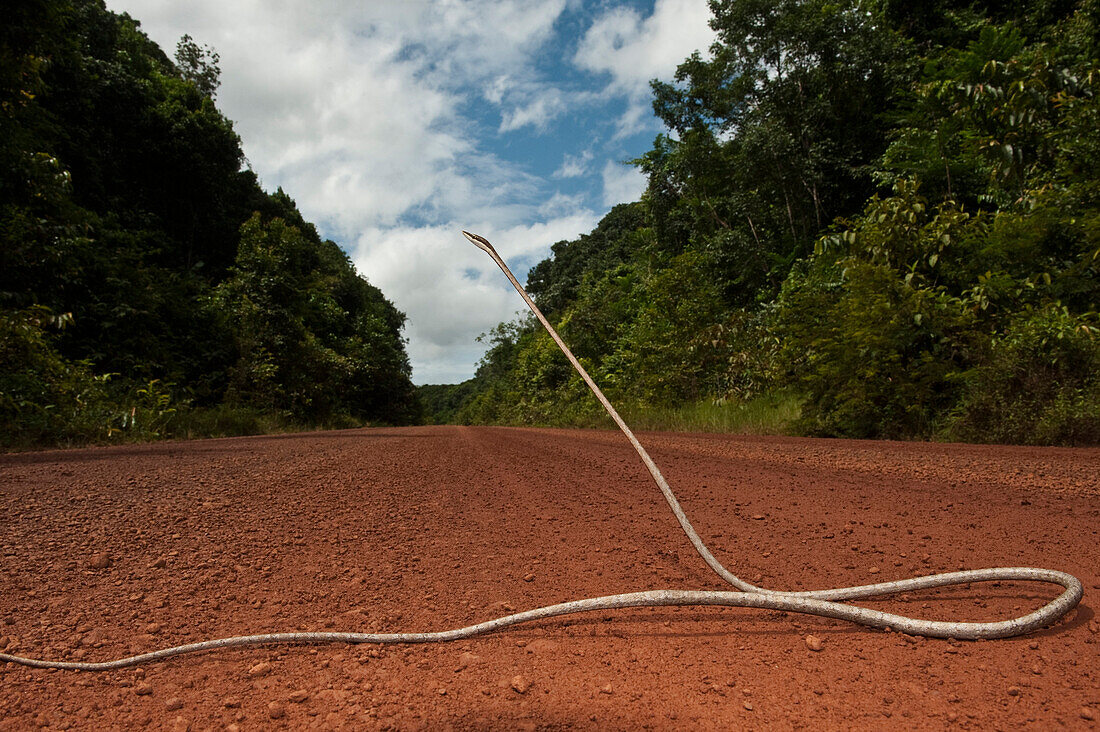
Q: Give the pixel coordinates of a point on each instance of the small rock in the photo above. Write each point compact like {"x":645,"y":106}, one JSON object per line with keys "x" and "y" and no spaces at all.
{"x":1094,"y":625}
{"x":1014,"y":691}
{"x":232,"y":702}
{"x":259,"y":669}
{"x":814,"y":643}
{"x":179,"y":724}
{"x":758,"y":517}
{"x":276,"y":710}
{"x":102,"y":560}
{"x":173,"y":704}
{"x":1087,"y":713}
{"x":542,"y":645}
{"x":873,"y":570}
{"x":466,"y":660}
{"x":298,"y":696}
{"x":520,"y":685}
{"x":152,"y":628}
{"x":529,"y":577}
{"x":606,"y":689}
{"x":143,"y":689}
{"x":441,"y":692}
{"x":952,"y":717}
{"x":161,"y":563}
{"x":748,"y":706}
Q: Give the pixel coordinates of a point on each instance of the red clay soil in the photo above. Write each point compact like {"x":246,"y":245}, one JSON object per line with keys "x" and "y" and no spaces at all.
{"x":432,"y":528}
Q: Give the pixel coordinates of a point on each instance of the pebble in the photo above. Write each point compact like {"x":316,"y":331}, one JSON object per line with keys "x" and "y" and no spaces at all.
{"x":466,"y":660}
{"x":606,"y":689}
{"x":748,"y":706}
{"x":520,"y":684}
{"x":161,"y":563}
{"x":758,"y":517}
{"x":298,"y":696}
{"x":232,"y":702}
{"x":152,"y":628}
{"x":1087,"y":713}
{"x":276,"y":710}
{"x":542,"y":645}
{"x":179,"y":724}
{"x":173,"y":704}
{"x":102,"y":560}
{"x":529,"y":577}
{"x":814,"y":643}
{"x":143,"y":689}
{"x":1014,"y":691}
{"x":259,"y":669}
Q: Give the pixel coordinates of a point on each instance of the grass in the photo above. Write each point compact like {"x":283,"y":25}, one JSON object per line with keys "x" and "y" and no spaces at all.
{"x":773,"y":414}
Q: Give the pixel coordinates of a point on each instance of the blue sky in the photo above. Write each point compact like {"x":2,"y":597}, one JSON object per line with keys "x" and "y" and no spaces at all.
{"x":396,"y":124}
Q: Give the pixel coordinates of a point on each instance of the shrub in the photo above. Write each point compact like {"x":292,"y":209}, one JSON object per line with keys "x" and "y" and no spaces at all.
{"x":1040,"y":386}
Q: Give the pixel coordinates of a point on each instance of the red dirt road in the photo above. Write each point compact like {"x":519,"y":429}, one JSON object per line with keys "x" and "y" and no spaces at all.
{"x":432,"y":528}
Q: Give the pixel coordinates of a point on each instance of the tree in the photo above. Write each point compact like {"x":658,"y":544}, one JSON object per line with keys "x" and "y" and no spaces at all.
{"x":775,"y":135}
{"x":199,"y":65}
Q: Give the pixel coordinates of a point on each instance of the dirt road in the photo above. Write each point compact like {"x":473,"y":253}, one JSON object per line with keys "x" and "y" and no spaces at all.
{"x":112,"y":551}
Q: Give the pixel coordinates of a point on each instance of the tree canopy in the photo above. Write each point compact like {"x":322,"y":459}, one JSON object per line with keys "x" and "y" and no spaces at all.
{"x":140,"y":260}
{"x":888,"y":211}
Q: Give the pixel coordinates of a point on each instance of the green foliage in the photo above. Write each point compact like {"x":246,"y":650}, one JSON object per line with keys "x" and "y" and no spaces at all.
{"x":1041,"y":385}
{"x":442,"y":402}
{"x":776,"y":133}
{"x":199,"y":65}
{"x":313,"y":339}
{"x":882,"y":215}
{"x":774,"y":414}
{"x":123,"y":204}
{"x":874,"y":355}
{"x":43,"y":397}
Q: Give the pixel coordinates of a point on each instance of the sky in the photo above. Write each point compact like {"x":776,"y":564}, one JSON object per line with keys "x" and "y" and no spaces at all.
{"x":394,"y":125}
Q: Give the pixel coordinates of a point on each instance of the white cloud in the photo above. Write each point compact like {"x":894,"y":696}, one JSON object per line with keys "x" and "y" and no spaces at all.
{"x":574,"y":166}
{"x":539,"y":112}
{"x":425,"y":271}
{"x":633,"y":50}
{"x":494,"y":90}
{"x":622,"y":183}
{"x":371,"y":115}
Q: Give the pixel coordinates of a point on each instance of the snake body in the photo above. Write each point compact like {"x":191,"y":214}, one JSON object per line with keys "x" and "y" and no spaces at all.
{"x":827,"y":603}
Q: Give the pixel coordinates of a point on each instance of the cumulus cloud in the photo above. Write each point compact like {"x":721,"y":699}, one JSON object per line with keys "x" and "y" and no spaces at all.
{"x":622,"y":183}
{"x":633,"y":49}
{"x":574,"y":166}
{"x":451,"y":291}
{"x":390,"y":123}
{"x":539,"y":112}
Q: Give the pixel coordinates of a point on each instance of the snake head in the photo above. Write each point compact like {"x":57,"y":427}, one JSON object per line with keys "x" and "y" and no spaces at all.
{"x":480,"y":242}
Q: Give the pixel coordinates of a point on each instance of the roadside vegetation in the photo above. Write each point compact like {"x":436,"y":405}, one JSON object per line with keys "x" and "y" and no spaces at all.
{"x":149,"y":287}
{"x":869,"y":219}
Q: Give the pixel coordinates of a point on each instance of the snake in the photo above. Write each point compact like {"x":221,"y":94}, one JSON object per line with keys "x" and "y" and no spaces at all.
{"x":828,"y":603}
